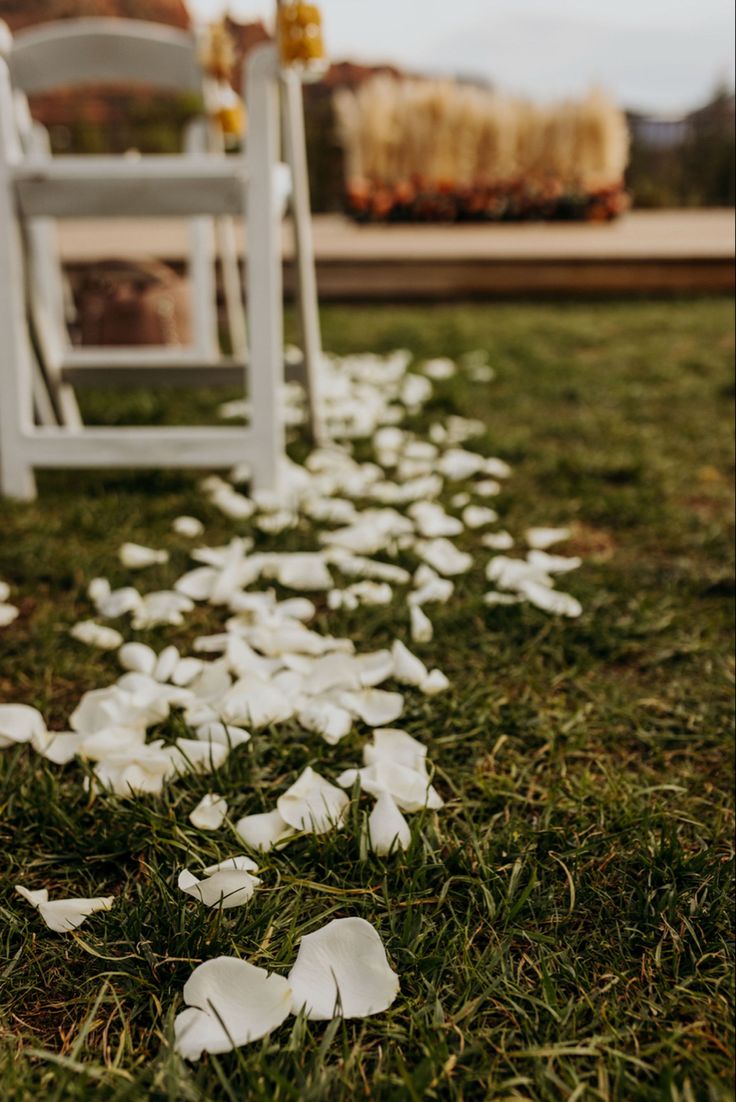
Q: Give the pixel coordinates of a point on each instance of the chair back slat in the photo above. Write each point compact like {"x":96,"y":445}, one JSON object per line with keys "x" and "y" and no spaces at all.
{"x":73,"y":52}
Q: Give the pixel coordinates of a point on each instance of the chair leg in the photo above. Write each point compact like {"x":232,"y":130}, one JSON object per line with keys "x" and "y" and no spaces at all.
{"x":264,"y":279}
{"x":296,"y":155}
{"x":16,"y":363}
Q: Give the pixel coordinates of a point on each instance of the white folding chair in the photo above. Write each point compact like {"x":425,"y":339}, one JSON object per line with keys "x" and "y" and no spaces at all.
{"x":35,"y":190}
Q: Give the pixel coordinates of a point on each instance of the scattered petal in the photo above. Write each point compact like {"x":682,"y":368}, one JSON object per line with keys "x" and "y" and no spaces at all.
{"x":498,"y":541}
{"x":422,"y":630}
{"x":62,"y":915}
{"x":265,"y":831}
{"x":409,"y":788}
{"x":20,"y":723}
{"x":549,"y":600}
{"x":541,"y":539}
{"x":230,"y":1003}
{"x":96,"y":635}
{"x":477,"y":516}
{"x":189,"y":527}
{"x":374,"y":706}
{"x":137,"y":658}
{"x":228,"y":884}
{"x":388,"y":830}
{"x":210,"y":812}
{"x":342,"y":971}
{"x":312,"y":804}
{"x":8,"y":613}
{"x":408,"y":669}
{"x":136,"y":557}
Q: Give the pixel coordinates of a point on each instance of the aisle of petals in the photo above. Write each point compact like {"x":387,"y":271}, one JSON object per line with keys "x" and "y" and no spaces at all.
{"x":267,"y":666}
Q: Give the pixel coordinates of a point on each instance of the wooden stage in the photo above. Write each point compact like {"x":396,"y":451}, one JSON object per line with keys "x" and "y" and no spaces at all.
{"x":655,"y":252}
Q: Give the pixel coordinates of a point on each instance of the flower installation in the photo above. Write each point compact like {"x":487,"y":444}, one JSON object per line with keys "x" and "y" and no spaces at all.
{"x":378,"y":515}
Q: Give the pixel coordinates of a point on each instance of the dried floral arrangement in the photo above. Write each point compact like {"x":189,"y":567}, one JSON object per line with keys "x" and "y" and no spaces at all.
{"x":437,"y":150}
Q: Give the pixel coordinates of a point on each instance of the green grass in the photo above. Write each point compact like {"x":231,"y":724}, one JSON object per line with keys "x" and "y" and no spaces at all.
{"x":563,"y":928}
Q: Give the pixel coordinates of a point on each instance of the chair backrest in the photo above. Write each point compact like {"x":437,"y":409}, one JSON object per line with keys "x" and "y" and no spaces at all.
{"x":73,"y":52}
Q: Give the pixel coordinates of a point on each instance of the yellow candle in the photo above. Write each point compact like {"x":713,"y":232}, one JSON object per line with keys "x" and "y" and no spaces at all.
{"x":301,"y":42}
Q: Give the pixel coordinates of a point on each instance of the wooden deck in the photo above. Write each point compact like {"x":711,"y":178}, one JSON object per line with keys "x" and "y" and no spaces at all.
{"x":645,"y":252}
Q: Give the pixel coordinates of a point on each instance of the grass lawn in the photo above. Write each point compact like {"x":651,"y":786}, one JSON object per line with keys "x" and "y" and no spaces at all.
{"x":563,"y":928}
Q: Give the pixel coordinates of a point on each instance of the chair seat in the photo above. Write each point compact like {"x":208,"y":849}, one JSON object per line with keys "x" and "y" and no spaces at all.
{"x":170,"y":367}
{"x":154,"y":186}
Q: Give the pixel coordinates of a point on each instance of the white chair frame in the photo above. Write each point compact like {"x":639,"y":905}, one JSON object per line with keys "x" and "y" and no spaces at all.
{"x":35,"y":190}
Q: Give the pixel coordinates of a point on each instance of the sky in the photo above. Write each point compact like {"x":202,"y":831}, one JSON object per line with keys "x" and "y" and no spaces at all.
{"x":662,"y":56}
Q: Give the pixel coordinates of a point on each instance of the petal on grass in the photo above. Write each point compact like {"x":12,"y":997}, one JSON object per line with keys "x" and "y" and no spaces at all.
{"x":189,"y":527}
{"x":20,"y":723}
{"x":96,"y":635}
{"x":136,"y":557}
{"x":8,"y":613}
{"x":388,"y":830}
{"x":265,"y":831}
{"x":62,"y":915}
{"x":210,"y":812}
{"x":342,"y":971}
{"x":541,"y":539}
{"x":374,"y":706}
{"x":312,"y":804}
{"x":230,"y":1003}
{"x":422,"y":629}
{"x":550,"y":600}
{"x":408,"y":669}
{"x":227,"y":885}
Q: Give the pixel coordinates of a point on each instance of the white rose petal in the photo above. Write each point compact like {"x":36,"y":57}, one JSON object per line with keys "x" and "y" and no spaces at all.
{"x":166,"y":663}
{"x":136,"y":557}
{"x":62,"y":915}
{"x":497,"y":541}
{"x":210,"y":812}
{"x":322,"y":717}
{"x":541,"y":539}
{"x":59,"y":747}
{"x":408,"y":669}
{"x":410,"y":789}
{"x":230,"y":1003}
{"x":119,"y":602}
{"x":312,"y":804}
{"x":477,"y":516}
{"x":444,"y":557}
{"x":434,"y":683}
{"x":422,"y":630}
{"x":20,"y":723}
{"x":374,"y":706}
{"x":137,"y":658}
{"x":554,"y":564}
{"x":396,"y":746}
{"x":223,"y":733}
{"x":96,"y":635}
{"x":342,"y":971}
{"x":228,"y":884}
{"x":142,"y":770}
{"x":487,"y":487}
{"x":549,"y":600}
{"x":161,"y":608}
{"x":264,"y":831}
{"x":440,"y":368}
{"x":495,"y":599}
{"x":189,"y":527}
{"x":8,"y":613}
{"x":388,"y":830}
